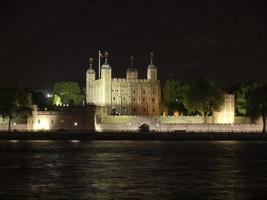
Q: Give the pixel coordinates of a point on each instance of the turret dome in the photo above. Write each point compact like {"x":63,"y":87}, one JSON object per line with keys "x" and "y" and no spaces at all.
{"x":106,"y":65}
{"x":129,"y":70}
{"x":91,"y":70}
{"x":151,"y":64}
{"x":132,"y":72}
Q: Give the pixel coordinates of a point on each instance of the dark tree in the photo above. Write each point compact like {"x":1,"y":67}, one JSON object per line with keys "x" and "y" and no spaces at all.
{"x":204,"y":97}
{"x":15,"y":102}
{"x":173,"y":96}
{"x":240,"y":96}
{"x":38,"y":98}
{"x":257,"y":104}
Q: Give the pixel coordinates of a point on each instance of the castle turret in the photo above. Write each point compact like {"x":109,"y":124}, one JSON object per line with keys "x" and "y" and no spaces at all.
{"x":132,"y":72}
{"x":151,"y":69}
{"x":90,"y":77}
{"x":106,"y":82}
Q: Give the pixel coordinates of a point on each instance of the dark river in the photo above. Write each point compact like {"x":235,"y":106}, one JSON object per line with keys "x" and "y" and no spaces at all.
{"x":133,"y":170}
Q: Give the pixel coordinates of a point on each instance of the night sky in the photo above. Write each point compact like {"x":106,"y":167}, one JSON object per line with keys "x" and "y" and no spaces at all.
{"x":42,"y":42}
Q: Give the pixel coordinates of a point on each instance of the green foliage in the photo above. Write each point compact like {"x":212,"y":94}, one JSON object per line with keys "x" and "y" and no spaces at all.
{"x":204,"y":97}
{"x":56,"y":100}
{"x":69,"y":93}
{"x":240,"y":96}
{"x":15,"y":102}
{"x":173,"y":96}
{"x":256,"y":105}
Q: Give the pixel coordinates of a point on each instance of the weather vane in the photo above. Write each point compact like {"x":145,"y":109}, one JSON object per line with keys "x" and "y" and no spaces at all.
{"x":151,"y":57}
{"x":91,"y":62}
{"x":106,"y":57}
{"x":132,"y":60}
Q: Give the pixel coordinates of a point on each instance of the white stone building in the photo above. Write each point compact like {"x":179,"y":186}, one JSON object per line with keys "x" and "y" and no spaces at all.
{"x":124,"y":96}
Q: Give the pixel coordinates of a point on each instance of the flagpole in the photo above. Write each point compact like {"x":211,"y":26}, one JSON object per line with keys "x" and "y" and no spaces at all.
{"x":99,"y":63}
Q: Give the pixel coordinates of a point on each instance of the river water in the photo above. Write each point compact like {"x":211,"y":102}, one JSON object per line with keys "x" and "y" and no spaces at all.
{"x":133,"y":170}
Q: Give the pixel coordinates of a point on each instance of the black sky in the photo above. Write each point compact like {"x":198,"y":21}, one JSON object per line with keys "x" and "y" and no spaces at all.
{"x":42,"y":42}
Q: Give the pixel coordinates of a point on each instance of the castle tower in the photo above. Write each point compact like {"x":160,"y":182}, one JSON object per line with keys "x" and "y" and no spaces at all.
{"x":106,"y":73}
{"x":132,"y":73}
{"x":90,"y":77}
{"x":151,"y":69}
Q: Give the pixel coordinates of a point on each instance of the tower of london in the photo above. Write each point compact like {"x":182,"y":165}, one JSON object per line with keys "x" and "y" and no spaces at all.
{"x":124,"y":96}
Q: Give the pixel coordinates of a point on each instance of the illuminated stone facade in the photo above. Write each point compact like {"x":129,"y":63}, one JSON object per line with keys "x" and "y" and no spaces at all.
{"x":226,"y":115}
{"x":81,"y":118}
{"x":124,"y":96}
{"x":222,"y":120}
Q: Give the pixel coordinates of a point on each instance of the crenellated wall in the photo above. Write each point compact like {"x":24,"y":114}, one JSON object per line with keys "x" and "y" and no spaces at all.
{"x":72,"y":119}
{"x":174,"y":123}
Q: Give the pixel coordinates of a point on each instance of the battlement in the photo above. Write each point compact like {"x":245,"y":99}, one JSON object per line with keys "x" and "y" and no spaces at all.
{"x":129,"y":80}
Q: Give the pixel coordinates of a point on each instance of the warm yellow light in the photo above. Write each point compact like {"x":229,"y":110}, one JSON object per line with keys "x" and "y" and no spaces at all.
{"x":176,"y":113}
{"x":75,"y":141}
{"x":41,"y":124}
{"x":225,"y":118}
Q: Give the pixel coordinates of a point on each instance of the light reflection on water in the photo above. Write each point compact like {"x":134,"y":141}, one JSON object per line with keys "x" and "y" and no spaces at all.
{"x":132,"y":170}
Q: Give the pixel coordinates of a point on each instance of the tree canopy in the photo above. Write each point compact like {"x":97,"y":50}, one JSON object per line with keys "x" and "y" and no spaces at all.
{"x":15,"y":102}
{"x":173,"y":96}
{"x":69,"y":93}
{"x":204,"y":97}
{"x":256,"y":105}
{"x":240,"y":96}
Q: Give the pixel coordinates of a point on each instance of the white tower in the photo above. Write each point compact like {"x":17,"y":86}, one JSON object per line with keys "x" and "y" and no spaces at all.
{"x":152,"y":69}
{"x":90,"y":77}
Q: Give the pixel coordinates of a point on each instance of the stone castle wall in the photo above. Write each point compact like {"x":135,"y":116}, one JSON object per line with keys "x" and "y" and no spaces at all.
{"x":184,"y":127}
{"x":72,"y":119}
{"x":174,"y":123}
{"x":13,"y":127}
{"x":125,"y":123}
